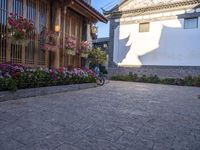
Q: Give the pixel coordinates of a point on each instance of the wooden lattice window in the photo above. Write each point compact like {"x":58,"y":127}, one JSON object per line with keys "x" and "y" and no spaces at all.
{"x":31,"y":15}
{"x":76,"y":27}
{"x":16,"y":49}
{"x":43,"y":13}
{"x":16,"y":53}
{"x":3,"y":29}
{"x":29,"y":55}
{"x":73,"y":28}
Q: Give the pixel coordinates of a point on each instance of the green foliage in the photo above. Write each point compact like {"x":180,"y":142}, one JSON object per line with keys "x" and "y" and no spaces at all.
{"x":40,"y":78}
{"x":7,"y":84}
{"x":97,"y":56}
{"x":197,"y":81}
{"x":34,"y":80}
{"x":103,"y":69}
{"x":188,"y":81}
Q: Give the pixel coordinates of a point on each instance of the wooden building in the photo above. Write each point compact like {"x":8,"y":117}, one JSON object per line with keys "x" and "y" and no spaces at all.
{"x":68,"y":18}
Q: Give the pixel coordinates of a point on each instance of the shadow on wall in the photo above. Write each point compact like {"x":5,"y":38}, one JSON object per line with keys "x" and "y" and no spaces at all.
{"x":124,"y":50}
{"x":172,"y":45}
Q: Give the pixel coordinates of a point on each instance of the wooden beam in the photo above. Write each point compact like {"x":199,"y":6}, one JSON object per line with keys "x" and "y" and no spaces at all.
{"x":8,"y":41}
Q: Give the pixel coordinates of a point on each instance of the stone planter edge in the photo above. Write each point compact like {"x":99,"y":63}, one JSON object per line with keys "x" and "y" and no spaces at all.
{"x":33,"y":92}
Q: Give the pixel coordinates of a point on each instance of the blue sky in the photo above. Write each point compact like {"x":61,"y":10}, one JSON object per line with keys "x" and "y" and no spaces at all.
{"x":103,"y":29}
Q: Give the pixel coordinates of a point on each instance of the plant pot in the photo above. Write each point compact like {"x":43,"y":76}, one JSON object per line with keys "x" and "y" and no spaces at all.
{"x":70,"y":52}
{"x":85,"y":55}
{"x":19,"y":42}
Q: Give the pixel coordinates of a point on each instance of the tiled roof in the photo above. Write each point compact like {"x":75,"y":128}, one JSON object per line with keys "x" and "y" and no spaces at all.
{"x":157,"y":7}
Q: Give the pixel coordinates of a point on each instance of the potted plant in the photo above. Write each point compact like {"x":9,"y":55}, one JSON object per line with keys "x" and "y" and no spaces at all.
{"x":21,"y":30}
{"x":70,"y":45}
{"x":85,"y":48}
{"x":48,"y":40}
{"x":97,"y":56}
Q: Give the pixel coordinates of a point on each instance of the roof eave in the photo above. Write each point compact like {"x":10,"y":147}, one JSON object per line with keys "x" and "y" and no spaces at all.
{"x":93,"y":11}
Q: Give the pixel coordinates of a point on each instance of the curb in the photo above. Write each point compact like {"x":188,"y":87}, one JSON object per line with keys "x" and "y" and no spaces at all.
{"x":25,"y":93}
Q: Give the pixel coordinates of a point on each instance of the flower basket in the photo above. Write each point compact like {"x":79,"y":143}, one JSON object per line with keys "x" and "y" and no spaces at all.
{"x":48,"y":40}
{"x":70,"y":52}
{"x":70,"y":46}
{"x":21,"y":30}
{"x":84,"y":50}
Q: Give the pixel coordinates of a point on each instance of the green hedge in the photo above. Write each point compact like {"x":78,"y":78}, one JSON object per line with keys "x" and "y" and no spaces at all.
{"x":187,"y":81}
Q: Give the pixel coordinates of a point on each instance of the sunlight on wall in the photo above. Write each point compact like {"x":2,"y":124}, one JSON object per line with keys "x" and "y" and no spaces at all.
{"x":166,"y":40}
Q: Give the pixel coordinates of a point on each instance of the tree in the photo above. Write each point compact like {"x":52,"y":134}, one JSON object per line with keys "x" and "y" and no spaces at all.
{"x":97,"y":56}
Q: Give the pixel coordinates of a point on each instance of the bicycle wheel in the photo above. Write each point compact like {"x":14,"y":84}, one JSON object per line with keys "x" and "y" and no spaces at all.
{"x":101,"y":81}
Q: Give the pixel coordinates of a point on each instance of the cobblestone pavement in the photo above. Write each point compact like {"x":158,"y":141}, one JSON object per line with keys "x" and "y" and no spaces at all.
{"x":117,"y":116}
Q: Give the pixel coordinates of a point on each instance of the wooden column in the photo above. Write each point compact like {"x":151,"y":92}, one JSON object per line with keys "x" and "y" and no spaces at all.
{"x":58,"y":22}
{"x":64,"y":11}
{"x":48,"y":26}
{"x":37,"y":32}
{"x":8,"y":41}
{"x":23,"y":45}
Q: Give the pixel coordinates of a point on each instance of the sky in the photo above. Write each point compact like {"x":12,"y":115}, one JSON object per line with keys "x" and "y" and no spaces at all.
{"x":103,"y":29}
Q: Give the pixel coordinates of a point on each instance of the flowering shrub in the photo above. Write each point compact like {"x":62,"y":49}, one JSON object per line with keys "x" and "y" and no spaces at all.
{"x":14,"y":77}
{"x":70,"y":43}
{"x":21,"y":28}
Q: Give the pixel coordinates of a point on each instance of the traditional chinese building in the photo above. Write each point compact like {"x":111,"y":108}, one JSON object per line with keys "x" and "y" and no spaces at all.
{"x":155,"y":37}
{"x":61,"y":18}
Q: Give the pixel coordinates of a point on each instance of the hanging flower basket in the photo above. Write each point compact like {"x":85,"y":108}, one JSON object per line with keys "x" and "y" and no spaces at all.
{"x":21,"y":30}
{"x":48,"y":40}
{"x":70,"y":45}
{"x":84,"y":50}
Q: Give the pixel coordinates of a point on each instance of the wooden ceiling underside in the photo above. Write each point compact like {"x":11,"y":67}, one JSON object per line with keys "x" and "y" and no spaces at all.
{"x":85,"y":10}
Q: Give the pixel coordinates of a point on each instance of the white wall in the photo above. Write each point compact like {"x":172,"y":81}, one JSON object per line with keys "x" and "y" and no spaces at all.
{"x":167,"y":43}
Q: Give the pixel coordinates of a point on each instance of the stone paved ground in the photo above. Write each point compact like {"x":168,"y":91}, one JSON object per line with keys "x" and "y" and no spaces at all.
{"x":118,"y":116}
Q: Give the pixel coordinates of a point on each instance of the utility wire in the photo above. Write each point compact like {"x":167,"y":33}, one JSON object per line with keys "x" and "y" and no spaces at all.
{"x":110,"y":5}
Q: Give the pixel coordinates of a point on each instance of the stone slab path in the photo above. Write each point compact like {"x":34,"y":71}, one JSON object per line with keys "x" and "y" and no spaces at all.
{"x":117,"y":116}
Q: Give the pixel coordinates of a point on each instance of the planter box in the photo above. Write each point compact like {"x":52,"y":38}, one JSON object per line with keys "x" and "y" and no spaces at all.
{"x":25,"y":93}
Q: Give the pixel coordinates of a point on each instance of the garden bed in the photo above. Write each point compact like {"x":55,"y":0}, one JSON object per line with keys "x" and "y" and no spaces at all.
{"x":25,"y":93}
{"x":187,"y":81}
{"x":15,"y":77}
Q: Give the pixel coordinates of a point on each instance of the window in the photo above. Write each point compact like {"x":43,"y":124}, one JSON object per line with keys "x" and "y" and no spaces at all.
{"x":191,"y":23}
{"x":18,"y":7}
{"x":144,"y":27}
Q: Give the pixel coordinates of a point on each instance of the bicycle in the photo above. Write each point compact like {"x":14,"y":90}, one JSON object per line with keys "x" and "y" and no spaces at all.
{"x":100,"y":79}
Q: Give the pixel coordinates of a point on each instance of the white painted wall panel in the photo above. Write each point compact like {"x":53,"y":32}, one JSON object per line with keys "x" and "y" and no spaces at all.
{"x":167,"y":44}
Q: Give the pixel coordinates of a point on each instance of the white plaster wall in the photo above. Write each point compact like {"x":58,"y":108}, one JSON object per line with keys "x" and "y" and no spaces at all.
{"x":167,"y":44}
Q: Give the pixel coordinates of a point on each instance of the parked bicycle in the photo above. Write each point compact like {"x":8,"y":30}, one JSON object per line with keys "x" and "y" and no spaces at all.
{"x":100,"y":79}
{"x":99,"y":76}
